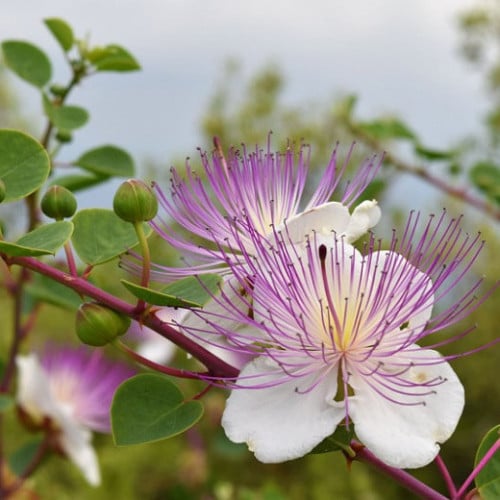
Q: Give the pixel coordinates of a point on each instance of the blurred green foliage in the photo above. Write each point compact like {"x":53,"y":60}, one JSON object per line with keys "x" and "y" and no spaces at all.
{"x":479,"y":27}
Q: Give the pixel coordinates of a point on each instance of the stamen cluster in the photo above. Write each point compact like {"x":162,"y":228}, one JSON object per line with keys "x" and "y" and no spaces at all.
{"x":328,"y":331}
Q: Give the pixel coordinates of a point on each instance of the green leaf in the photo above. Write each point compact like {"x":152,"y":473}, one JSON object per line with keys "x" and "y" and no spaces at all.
{"x":344,"y":108}
{"x":433,"y":154}
{"x":196,"y":289}
{"x":100,"y":235}
{"x":65,"y":117}
{"x":486,"y":177}
{"x":24,"y":164}
{"x":154,"y":297}
{"x":107,"y":160}
{"x":340,"y":440}
{"x":75,"y":182}
{"x":43,"y":240}
{"x":148,"y":407}
{"x":22,"y":457}
{"x":27,"y":61}
{"x":48,"y":290}
{"x":193,"y":291}
{"x":69,"y":117}
{"x":6,"y":402}
{"x":488,"y":479}
{"x":62,"y":32}
{"x":387,"y":128}
{"x":112,"y":58}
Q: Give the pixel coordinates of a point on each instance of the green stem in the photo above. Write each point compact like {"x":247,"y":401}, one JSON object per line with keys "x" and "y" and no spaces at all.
{"x":146,"y":260}
{"x":146,"y":256}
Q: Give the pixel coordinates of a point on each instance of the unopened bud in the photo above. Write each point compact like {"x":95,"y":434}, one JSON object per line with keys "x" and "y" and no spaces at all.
{"x":58,"y":203}
{"x":64,"y":136}
{"x":58,"y":90}
{"x":98,"y":325}
{"x":134,"y":201}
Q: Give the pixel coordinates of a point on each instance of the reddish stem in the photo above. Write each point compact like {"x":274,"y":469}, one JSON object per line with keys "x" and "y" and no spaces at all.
{"x":70,"y":259}
{"x":167,"y":370}
{"x":479,"y":467}
{"x":400,"y":476}
{"x":216,"y":366}
{"x":446,"y":476}
{"x":31,"y":467}
{"x":457,"y":192}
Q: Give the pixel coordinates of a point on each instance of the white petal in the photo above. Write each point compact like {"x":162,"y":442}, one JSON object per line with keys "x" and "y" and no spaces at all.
{"x":407,"y":436}
{"x":365,"y":216}
{"x":76,"y":443}
{"x":278,"y":423}
{"x":33,"y":388}
{"x":407,"y":286}
{"x":152,"y":345}
{"x":323,"y":219}
{"x":157,"y":349}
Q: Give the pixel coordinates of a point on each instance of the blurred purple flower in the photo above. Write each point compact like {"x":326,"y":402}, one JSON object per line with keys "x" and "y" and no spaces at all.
{"x":72,"y":388}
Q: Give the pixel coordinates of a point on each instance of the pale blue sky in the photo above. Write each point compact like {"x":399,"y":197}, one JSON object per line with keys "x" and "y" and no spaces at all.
{"x":398,"y":56}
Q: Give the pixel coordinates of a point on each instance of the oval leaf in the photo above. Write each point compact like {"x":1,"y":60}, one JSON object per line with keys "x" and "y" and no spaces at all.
{"x":24,"y":164}
{"x":387,"y":128}
{"x":433,"y":154}
{"x":62,"y":32}
{"x":27,"y":61}
{"x":107,"y":160}
{"x":154,"y":297}
{"x":100,"y":235}
{"x":488,"y":479}
{"x":75,"y":182}
{"x":485,"y":175}
{"x":195,"y":289}
{"x":47,"y":290}
{"x":43,"y":240}
{"x":148,"y":407}
{"x":112,"y":58}
{"x":23,"y":456}
{"x":65,"y":117}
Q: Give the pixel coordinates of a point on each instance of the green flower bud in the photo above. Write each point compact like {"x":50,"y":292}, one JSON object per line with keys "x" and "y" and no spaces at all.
{"x":98,"y":325}
{"x":3,"y":190}
{"x":58,"y":90}
{"x":134,"y":201}
{"x":64,"y":136}
{"x":58,"y":203}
